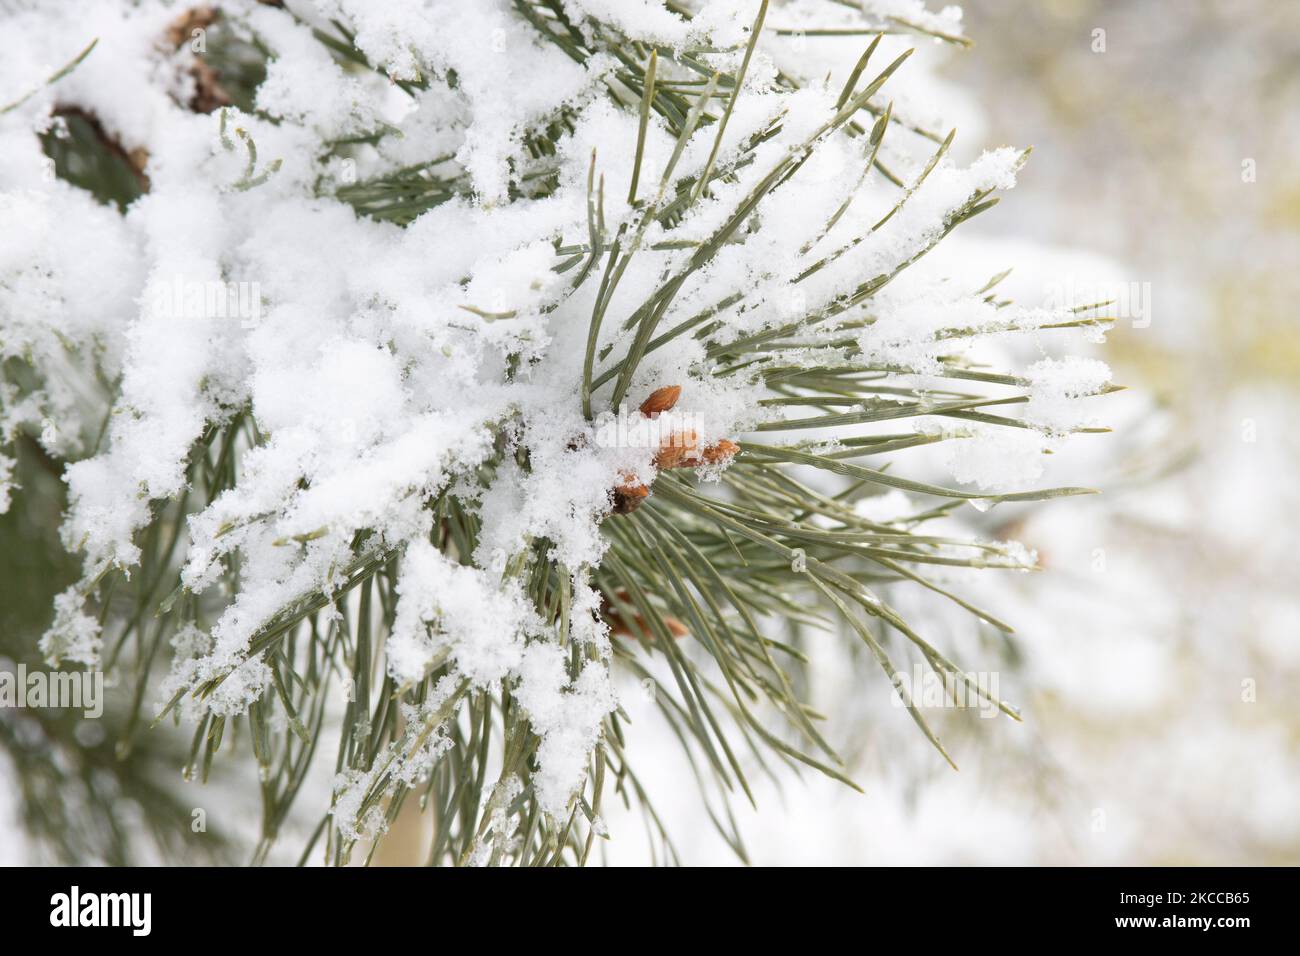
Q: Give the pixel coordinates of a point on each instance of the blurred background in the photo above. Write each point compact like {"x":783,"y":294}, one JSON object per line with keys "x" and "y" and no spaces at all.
{"x":1157,"y":657}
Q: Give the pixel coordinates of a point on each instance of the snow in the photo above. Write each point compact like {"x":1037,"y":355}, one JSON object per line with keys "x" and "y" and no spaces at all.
{"x":6,"y":482}
{"x":487,"y":624}
{"x":74,"y":636}
{"x":1055,"y":390}
{"x":567,"y":715}
{"x":989,"y":457}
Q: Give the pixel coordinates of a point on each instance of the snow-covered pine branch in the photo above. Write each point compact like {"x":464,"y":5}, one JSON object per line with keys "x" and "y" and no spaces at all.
{"x":443,"y":339}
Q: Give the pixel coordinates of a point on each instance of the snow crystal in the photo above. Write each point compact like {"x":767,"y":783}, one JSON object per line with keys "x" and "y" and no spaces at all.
{"x":74,"y":636}
{"x":409,"y":759}
{"x":996,"y":458}
{"x":6,"y":481}
{"x":1056,"y":387}
{"x":239,"y":688}
{"x":1014,"y":554}
{"x":484,"y":625}
{"x":495,"y":836}
{"x":566,"y":715}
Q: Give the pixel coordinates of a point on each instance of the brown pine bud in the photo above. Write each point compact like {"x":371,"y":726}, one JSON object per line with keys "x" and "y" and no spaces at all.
{"x":678,"y":451}
{"x":619,"y":627}
{"x":722,"y":451}
{"x":627,"y":498}
{"x":660,"y":400}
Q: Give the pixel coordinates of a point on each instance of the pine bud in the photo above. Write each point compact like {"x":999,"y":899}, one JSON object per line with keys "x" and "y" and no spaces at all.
{"x":678,"y":451}
{"x":722,"y":451}
{"x":661,"y":400}
{"x":619,"y":627}
{"x":627,"y":498}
